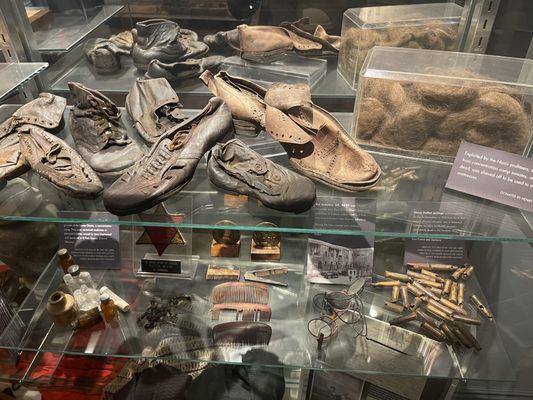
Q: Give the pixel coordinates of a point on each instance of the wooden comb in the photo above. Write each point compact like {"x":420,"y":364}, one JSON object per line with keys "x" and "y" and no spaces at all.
{"x":244,"y":311}
{"x":240,"y":292}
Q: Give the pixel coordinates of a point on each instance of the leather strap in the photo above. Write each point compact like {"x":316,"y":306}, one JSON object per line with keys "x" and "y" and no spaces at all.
{"x":283,"y":129}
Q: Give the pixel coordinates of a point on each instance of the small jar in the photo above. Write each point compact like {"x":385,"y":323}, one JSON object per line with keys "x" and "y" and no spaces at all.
{"x":62,"y":307}
{"x":65,"y":259}
{"x":108,"y":310}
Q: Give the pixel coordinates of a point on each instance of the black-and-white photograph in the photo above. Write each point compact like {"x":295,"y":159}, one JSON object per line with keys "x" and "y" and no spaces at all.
{"x":339,"y":259}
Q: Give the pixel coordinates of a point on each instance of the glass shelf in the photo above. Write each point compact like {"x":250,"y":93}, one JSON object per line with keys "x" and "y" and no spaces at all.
{"x":12,"y":75}
{"x":71,"y":27}
{"x":385,"y":350}
{"x":406,"y":185}
{"x":332,"y":86}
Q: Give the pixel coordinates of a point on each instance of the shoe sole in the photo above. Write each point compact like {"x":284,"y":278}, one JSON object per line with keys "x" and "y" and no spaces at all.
{"x":230,"y":192}
{"x":153,"y":203}
{"x":246,"y":128}
{"x":352,"y":189}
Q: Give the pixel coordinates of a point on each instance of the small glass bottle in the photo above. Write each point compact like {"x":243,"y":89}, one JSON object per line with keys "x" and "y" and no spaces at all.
{"x":81,"y":278}
{"x":65,"y":259}
{"x":109,"y":311}
{"x":87,"y":298}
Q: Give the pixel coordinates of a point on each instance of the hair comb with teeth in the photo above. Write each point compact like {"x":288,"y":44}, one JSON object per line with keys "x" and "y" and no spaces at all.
{"x":240,"y":292}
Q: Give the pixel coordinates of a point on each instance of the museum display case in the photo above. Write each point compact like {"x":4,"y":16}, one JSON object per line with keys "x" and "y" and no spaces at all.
{"x":418,"y":26}
{"x":425,"y":102}
{"x":183,"y":206}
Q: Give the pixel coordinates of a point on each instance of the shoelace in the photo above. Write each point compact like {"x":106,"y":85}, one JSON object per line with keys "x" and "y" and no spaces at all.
{"x":107,"y":123}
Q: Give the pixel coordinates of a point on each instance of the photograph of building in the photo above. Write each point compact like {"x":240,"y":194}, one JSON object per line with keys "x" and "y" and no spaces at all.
{"x":331,"y":263}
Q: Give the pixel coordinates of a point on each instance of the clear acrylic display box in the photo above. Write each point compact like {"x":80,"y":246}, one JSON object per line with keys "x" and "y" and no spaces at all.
{"x":290,"y":69}
{"x":423,"y":103}
{"x":422,"y":26}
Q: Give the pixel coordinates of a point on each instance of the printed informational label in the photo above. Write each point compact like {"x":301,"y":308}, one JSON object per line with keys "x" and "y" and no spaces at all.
{"x":93,"y":245}
{"x":494,"y":175}
{"x":435,"y":219}
{"x":341,"y":259}
{"x":161,"y":266}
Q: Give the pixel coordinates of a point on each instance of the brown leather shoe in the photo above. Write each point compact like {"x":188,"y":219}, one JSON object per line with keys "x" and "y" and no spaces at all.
{"x":244,"y":99}
{"x":269,"y":43}
{"x":45,"y":111}
{"x":56,"y":161}
{"x":316,"y":143}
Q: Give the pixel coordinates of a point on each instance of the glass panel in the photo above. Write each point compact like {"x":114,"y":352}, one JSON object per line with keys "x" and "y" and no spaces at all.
{"x":14,"y":74}
{"x":386,"y":350}
{"x":405,"y":184}
{"x":69,"y":27}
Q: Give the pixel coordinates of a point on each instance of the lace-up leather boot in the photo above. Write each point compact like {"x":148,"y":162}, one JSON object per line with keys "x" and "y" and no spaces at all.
{"x":98,"y":132}
{"x":171,"y":162}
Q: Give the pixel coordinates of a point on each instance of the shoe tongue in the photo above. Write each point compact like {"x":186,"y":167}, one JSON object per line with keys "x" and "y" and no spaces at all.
{"x":284,"y":96}
{"x":90,"y":98}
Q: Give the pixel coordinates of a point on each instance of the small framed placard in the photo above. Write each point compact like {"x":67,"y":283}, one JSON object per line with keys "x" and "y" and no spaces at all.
{"x":168,"y":266}
{"x":94,"y":244}
{"x":494,"y":175}
{"x":161,"y":266}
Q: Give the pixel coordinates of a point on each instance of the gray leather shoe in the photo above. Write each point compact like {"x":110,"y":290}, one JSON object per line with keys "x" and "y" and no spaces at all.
{"x":171,"y":162}
{"x":99,"y":134}
{"x":154,"y":107}
{"x":182,"y":70}
{"x":236,"y":168}
{"x":163,"y":40}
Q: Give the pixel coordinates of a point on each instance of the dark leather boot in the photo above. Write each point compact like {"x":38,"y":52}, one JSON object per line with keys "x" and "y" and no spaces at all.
{"x":154,"y":107}
{"x":99,"y":134}
{"x":316,"y":143}
{"x":236,"y":168}
{"x":163,"y":40}
{"x":171,"y":162}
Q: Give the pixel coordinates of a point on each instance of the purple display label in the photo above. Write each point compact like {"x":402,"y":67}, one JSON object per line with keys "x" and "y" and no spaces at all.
{"x":494,"y":175}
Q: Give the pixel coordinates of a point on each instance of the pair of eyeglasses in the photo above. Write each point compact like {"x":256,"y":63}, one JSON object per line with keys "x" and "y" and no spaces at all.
{"x":338,"y":307}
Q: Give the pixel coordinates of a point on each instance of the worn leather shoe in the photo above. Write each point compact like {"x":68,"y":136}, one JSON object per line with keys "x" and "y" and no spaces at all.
{"x":182,"y":70}
{"x":244,"y":99}
{"x":163,"y":40}
{"x":98,"y":132}
{"x":269,"y":43}
{"x":171,"y":162}
{"x":56,"y":161}
{"x":105,"y":54}
{"x":316,"y":143}
{"x":45,"y":111}
{"x":236,"y":168}
{"x":154,"y":107}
